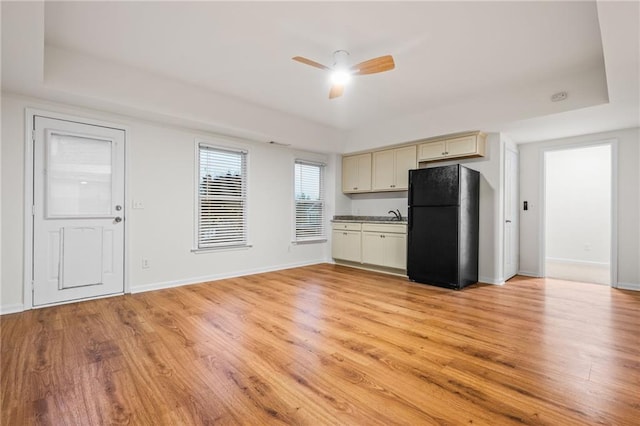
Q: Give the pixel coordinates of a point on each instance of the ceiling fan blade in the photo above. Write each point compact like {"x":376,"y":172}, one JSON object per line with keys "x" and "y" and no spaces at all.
{"x":372,"y":66}
{"x":336,"y":90}
{"x":310,"y":62}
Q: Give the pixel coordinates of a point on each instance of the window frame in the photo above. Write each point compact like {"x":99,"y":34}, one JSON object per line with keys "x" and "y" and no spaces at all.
{"x":219,"y":145}
{"x":323,"y":170}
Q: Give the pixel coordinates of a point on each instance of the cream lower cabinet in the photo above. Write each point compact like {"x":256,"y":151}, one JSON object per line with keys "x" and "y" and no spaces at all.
{"x":346,"y":242}
{"x":384,"y":245}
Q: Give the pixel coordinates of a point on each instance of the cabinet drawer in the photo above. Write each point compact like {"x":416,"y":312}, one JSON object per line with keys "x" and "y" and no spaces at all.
{"x":383,"y":227}
{"x":345,"y":226}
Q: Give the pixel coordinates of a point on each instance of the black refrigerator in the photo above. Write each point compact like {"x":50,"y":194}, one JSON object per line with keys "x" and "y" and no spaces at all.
{"x":444,"y":205}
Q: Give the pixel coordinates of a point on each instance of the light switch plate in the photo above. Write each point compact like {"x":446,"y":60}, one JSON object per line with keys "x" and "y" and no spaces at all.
{"x":138,"y":204}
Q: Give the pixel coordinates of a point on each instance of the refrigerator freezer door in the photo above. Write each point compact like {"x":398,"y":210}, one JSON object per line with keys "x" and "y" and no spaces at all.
{"x":438,"y":186}
{"x":433,"y":246}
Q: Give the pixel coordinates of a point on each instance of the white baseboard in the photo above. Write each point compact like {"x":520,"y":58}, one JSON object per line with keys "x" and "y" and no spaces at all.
{"x":11,"y":309}
{"x":629,"y":286}
{"x":493,"y":281}
{"x":215,"y":277}
{"x":529,"y":274}
{"x":577,"y":262}
{"x":578,"y":270}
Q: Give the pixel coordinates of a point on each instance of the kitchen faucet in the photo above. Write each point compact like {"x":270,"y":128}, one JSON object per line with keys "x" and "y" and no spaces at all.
{"x":396,"y":213}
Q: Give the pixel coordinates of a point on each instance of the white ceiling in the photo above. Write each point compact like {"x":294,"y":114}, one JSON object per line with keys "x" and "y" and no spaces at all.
{"x":490,"y":65}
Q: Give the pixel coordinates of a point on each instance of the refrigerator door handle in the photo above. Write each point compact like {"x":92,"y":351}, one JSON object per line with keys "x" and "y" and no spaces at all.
{"x":409,"y":218}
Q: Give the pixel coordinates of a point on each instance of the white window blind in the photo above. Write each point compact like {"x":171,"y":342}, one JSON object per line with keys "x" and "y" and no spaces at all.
{"x":222,"y":197}
{"x":309,"y":201}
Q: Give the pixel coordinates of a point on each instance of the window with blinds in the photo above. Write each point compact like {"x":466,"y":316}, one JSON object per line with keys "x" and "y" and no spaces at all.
{"x":222,"y":197}
{"x":309,"y":201}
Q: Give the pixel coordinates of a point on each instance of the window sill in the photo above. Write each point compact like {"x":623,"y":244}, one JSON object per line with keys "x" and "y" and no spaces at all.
{"x":218,"y":249}
{"x":314,"y":241}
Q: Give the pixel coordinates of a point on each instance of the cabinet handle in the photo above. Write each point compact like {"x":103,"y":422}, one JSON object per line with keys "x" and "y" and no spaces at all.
{"x":355,"y":188}
{"x":344,"y":233}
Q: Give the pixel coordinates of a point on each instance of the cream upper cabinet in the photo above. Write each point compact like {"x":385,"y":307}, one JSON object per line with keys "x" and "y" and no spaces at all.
{"x":431,"y":150}
{"x":405,"y":161}
{"x":356,"y":173}
{"x":391,"y":168}
{"x":383,"y":170}
{"x":388,"y":169}
{"x":464,"y":146}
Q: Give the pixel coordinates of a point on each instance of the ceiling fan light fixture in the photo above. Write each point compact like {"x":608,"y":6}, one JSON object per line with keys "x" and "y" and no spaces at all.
{"x":341,"y":72}
{"x":340,"y":77}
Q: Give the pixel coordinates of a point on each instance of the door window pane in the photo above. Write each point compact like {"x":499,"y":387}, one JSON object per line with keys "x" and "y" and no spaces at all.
{"x":78,"y":176}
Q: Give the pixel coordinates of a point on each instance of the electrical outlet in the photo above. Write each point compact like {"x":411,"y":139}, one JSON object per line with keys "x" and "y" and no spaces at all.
{"x":138,"y":204}
{"x":145,"y":263}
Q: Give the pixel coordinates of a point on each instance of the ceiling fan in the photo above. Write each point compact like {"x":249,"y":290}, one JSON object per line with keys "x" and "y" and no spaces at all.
{"x":341,"y":72}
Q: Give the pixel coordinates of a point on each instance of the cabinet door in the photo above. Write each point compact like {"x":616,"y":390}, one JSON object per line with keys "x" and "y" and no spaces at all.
{"x":373,"y":251}
{"x":349,"y":174}
{"x":405,"y":160}
{"x":395,"y":251}
{"x":431,"y":151}
{"x":346,"y":245}
{"x":364,"y":172}
{"x":461,"y":146}
{"x":383,"y":170}
{"x":356,"y":173}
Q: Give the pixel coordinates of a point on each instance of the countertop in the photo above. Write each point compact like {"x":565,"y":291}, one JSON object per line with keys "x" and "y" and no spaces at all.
{"x":370,"y":219}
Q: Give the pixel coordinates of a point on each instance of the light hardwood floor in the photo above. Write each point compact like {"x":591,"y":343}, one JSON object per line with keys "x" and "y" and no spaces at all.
{"x":327,"y":344}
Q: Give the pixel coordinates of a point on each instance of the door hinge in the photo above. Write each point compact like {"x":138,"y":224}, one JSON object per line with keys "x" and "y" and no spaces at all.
{"x":33,"y":285}
{"x":33,"y":136}
{"x":33,"y":210}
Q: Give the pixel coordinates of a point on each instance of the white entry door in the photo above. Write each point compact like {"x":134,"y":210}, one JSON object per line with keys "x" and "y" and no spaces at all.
{"x":78,"y":213}
{"x":511,"y":215}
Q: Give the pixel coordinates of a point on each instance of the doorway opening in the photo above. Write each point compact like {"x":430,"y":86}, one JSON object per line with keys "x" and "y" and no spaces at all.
{"x":578,"y":214}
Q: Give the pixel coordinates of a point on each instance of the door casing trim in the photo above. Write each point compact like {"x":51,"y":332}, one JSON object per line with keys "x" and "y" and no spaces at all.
{"x":613,"y":258}
{"x":30,"y":114}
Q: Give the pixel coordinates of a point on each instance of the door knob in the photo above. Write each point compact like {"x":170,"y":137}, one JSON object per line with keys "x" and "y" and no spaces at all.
{"x":118,"y":219}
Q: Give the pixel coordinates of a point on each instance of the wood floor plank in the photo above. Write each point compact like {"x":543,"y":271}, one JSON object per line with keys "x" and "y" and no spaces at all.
{"x":327,"y":344}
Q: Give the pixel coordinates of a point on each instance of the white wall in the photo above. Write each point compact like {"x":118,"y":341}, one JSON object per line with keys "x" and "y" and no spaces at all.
{"x":490,"y":268}
{"x":628,"y":201}
{"x":11,"y":289}
{"x":161,"y":175}
{"x":379,"y":204}
{"x":578,"y":204}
